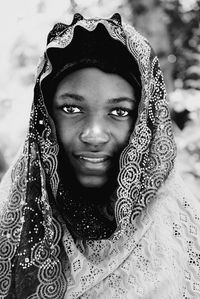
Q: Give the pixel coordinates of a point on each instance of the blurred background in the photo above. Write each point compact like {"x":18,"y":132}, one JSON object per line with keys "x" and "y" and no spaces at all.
{"x":172,"y":27}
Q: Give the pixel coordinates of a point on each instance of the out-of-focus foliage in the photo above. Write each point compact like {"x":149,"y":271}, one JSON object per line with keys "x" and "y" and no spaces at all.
{"x":150,"y":18}
{"x":184,"y":28}
{"x":172,"y":26}
{"x":186,"y":102}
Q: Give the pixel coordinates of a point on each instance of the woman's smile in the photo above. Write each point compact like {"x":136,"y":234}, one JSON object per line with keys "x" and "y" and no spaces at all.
{"x":94,"y":163}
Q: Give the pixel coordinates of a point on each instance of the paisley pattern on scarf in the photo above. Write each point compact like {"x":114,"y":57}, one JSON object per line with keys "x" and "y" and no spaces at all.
{"x":155,"y":243}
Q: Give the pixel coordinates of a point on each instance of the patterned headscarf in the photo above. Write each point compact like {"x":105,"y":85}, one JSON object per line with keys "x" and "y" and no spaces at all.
{"x":34,"y":259}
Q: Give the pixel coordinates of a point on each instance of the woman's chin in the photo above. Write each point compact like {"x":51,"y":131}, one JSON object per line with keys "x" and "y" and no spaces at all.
{"x":92,"y":181}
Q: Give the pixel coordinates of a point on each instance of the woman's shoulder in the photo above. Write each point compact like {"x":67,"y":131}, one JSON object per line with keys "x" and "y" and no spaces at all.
{"x":176,"y":197}
{"x":172,"y":240}
{"x":177,"y":211}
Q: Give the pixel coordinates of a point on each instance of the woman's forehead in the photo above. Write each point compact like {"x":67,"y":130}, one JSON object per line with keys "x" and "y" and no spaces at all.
{"x":89,"y":82}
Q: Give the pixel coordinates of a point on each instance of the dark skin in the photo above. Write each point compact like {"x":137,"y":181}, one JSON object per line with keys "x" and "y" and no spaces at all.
{"x":93,"y":114}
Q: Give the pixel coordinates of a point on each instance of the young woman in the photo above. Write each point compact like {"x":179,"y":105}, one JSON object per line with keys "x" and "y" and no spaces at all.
{"x":93,"y":207}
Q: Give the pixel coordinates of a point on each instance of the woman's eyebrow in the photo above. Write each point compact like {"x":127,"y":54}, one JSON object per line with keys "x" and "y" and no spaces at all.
{"x":77,"y":97}
{"x":68,"y":95}
{"x":122,"y":99}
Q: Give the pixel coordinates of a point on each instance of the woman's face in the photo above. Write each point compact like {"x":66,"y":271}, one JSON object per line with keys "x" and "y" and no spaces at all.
{"x":92,"y":111}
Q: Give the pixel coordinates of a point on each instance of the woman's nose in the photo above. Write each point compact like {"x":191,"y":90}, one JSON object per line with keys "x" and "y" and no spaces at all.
{"x":95,"y":133}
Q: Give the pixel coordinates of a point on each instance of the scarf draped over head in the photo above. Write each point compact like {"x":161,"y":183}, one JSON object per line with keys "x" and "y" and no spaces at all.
{"x":33,"y":256}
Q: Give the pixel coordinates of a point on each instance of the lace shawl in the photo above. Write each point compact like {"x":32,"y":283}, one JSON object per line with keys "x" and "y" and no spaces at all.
{"x":155,"y":250}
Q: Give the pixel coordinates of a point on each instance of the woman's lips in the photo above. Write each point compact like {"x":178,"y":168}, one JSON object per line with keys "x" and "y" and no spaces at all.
{"x":92,"y":162}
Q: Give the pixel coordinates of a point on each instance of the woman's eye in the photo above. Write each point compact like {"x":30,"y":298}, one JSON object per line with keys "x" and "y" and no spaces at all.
{"x":71,"y":109}
{"x":120,"y":112}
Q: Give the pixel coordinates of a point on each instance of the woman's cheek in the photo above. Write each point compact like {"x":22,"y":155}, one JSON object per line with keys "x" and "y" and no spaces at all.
{"x":67,"y":134}
{"x":123,"y":134}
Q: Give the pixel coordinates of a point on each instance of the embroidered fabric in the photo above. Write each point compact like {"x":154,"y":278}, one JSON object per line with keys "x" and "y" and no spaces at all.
{"x":154,"y":251}
{"x":86,"y":219}
{"x":163,"y":261}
